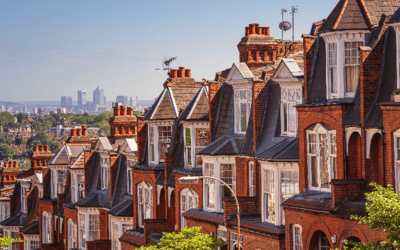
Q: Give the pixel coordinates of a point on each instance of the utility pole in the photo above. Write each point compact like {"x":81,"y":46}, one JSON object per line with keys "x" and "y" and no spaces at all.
{"x":283,"y":13}
{"x":294,"y":11}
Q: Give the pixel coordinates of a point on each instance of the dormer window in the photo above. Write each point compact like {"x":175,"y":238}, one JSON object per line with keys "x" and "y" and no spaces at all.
{"x":23,"y":199}
{"x":129,"y":181}
{"x":243,"y":100}
{"x":105,"y":173}
{"x":77,"y":187}
{"x":290,"y":97}
{"x":159,"y":142}
{"x":59,"y":178}
{"x":195,"y":140}
{"x":342,"y":63}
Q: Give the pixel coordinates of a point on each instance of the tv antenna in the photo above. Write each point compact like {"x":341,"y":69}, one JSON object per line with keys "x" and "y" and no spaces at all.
{"x":284,"y":25}
{"x":166,"y":63}
{"x":294,"y":11}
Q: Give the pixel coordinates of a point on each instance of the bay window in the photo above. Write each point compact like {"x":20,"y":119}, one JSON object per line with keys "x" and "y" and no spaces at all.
{"x":297,"y":237}
{"x":59,"y":178}
{"x":159,"y":142}
{"x":114,"y":235}
{"x":23,"y":199}
{"x":82,"y":230}
{"x":214,"y":191}
{"x":118,"y":226}
{"x":145,"y":202}
{"x":33,"y":244}
{"x":46,"y":228}
{"x":332,"y":68}
{"x":195,"y":140}
{"x":321,"y":154}
{"x":81,"y":186}
{"x":77,"y":186}
{"x":280,"y":181}
{"x":352,"y":65}
{"x":72,"y":238}
{"x":94,"y":227}
{"x":189,"y":200}
{"x":243,"y":98}
{"x":89,"y":227}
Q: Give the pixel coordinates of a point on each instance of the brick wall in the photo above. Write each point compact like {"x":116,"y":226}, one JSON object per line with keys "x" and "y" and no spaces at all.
{"x":73,"y":215}
{"x":308,"y":56}
{"x":213,"y":100}
{"x":114,"y":161}
{"x":141,"y":136}
{"x":259,"y":92}
{"x":354,"y":164}
{"x":98,"y":245}
{"x":341,"y":189}
{"x":104,"y":224}
{"x":48,"y":207}
{"x":88,"y":158}
{"x":246,"y":205}
{"x":207,"y":227}
{"x":374,"y":165}
{"x":155,"y":226}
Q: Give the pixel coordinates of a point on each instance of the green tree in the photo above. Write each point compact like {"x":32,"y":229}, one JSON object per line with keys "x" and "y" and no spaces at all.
{"x":187,"y":238}
{"x":30,"y":144}
{"x":52,"y":120}
{"x":137,"y":113}
{"x":24,"y":141}
{"x":6,"y":241}
{"x":383,"y":207}
{"x":10,"y":140}
{"x":20,"y":117}
{"x":6,"y":119}
{"x":6,"y":151}
{"x":26,"y":165}
{"x":43,"y":139}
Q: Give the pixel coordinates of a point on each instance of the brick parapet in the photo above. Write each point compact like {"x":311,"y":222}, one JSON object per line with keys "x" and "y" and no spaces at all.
{"x":246,"y":205}
{"x":346,"y":189}
{"x":98,"y":245}
{"x":155,"y":226}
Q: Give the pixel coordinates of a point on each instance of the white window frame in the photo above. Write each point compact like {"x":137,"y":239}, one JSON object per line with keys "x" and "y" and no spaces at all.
{"x":142,"y":188}
{"x":123,"y":224}
{"x":46,"y":228}
{"x":323,"y":247}
{"x":153,"y":129}
{"x":129,"y":181}
{"x":72,"y":234}
{"x":396,"y":148}
{"x":247,"y":100}
{"x":54,"y":180}
{"x":188,"y":195}
{"x":252,"y":188}
{"x":24,"y":189}
{"x":84,"y":226}
{"x":218,"y":195}
{"x":318,"y":130}
{"x":340,"y":38}
{"x":291,"y":95}
{"x":105,"y":173}
{"x":192,"y":147}
{"x":233,"y":237}
{"x":297,"y":238}
{"x":279,"y":196}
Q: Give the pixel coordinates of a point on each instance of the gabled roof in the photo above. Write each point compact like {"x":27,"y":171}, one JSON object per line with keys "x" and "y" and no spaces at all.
{"x":32,"y":228}
{"x":288,"y":68}
{"x":66,"y":152}
{"x":78,"y":162}
{"x":239,"y":71}
{"x":396,"y":17}
{"x":103,"y":144}
{"x":358,"y":14}
{"x":198,"y":107}
{"x":129,"y":145}
{"x":123,"y":209}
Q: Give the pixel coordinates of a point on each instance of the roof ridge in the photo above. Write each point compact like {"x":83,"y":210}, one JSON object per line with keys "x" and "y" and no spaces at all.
{"x":341,"y":14}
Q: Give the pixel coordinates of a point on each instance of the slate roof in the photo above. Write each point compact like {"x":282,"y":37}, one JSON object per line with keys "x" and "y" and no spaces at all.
{"x":310,"y":200}
{"x":224,"y":124}
{"x":396,"y":17}
{"x":226,"y":145}
{"x":66,"y":153}
{"x":198,"y":106}
{"x":354,"y":15}
{"x":203,"y":215}
{"x":32,"y":228}
{"x":123,"y":209}
{"x":17,"y":220}
{"x":254,"y":222}
{"x":135,"y":237}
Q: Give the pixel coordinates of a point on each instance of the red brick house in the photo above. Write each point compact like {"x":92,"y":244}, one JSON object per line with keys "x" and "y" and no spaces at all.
{"x":348,"y":124}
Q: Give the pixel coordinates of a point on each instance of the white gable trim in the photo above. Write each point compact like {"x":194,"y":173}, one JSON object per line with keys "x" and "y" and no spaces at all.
{"x":172,"y":98}
{"x":195,"y":103}
{"x":158,"y":104}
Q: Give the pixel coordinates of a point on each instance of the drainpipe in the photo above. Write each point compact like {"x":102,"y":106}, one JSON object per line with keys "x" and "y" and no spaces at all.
{"x":383,"y":159}
{"x":345,"y":152}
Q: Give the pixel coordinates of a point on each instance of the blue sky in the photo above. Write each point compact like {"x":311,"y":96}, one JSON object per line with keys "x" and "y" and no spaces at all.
{"x":51,"y":48}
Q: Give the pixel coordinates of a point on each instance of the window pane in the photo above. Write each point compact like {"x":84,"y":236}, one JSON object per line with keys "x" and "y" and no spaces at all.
{"x":292,"y":117}
{"x":188,"y":137}
{"x":164,"y":140}
{"x":285,"y":117}
{"x":324,"y":167}
{"x":314,"y":172}
{"x":243,"y":117}
{"x":210,"y":185}
{"x":398,"y":147}
{"x":201,"y":137}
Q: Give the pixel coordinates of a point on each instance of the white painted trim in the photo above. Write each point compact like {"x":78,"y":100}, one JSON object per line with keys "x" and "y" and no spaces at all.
{"x":195,"y":103}
{"x":370,"y":134}
{"x":170,"y":190}
{"x":158,"y":104}
{"x":349,"y":132}
{"x":172,"y":98}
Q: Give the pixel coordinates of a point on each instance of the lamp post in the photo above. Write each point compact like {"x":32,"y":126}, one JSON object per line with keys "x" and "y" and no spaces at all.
{"x":195,"y":180}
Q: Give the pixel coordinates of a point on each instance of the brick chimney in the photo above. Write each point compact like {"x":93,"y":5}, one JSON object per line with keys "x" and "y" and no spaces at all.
{"x":84,"y":130}
{"x":15,"y":164}
{"x":73,"y":133}
{"x":122,"y":110}
{"x":35,"y":148}
{"x":5,"y":164}
{"x":78,"y":132}
{"x":46,"y":148}
{"x":41,"y":148}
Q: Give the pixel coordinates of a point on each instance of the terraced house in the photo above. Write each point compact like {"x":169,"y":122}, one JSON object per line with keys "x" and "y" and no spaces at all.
{"x":297,"y":131}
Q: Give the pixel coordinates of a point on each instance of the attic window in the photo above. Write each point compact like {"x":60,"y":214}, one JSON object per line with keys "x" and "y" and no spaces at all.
{"x":243,"y":100}
{"x":195,"y":140}
{"x":159,"y":142}
{"x":290,"y":97}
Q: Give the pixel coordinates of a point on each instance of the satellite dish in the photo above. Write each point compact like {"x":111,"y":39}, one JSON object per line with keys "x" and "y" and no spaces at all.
{"x":285,"y":26}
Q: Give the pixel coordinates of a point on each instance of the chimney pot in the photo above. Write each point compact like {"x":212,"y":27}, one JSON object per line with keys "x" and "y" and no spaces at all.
{"x":247,"y":31}
{"x":268,"y":31}
{"x":122,"y":110}
{"x":46,"y":148}
{"x":116,"y":111}
{"x":84,"y":130}
{"x":73,"y":132}
{"x":129,"y":111}
{"x":15,"y":164}
{"x":41,"y":148}
{"x":256,"y":25}
{"x":181,"y":72}
{"x":252,"y":29}
{"x":5,"y":164}
{"x":188,"y":73}
{"x":174,"y":73}
{"x":259,"y":30}
{"x":35,"y":148}
{"x":78,"y":132}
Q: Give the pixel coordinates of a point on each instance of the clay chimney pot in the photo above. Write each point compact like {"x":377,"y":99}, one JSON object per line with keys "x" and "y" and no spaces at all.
{"x":78,"y":132}
{"x":15,"y":164}
{"x":252,"y":29}
{"x":46,"y":148}
{"x":268,"y":32}
{"x":5,"y":164}
{"x":122,"y":110}
{"x":247,"y":31}
{"x":35,"y":148}
{"x":73,"y":132}
{"x":41,"y":148}
{"x":188,"y":73}
{"x":116,"y":111}
{"x":129,"y":111}
{"x":259,"y":30}
{"x":181,"y":72}
{"x":84,"y":130}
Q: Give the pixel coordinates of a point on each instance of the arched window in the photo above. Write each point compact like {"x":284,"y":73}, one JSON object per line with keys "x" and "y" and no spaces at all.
{"x":72,"y":237}
{"x":145,"y":202}
{"x":297,"y":237}
{"x":189,"y":200}
{"x":321,"y":157}
{"x":46,"y":227}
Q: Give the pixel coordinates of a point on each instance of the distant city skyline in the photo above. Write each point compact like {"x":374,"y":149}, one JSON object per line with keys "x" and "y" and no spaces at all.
{"x":50,"y":49}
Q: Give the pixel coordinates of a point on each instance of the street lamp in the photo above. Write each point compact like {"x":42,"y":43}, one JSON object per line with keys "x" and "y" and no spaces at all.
{"x":195,"y":180}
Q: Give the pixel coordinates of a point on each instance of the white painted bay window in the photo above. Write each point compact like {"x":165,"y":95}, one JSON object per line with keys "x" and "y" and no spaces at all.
{"x":243,"y":99}
{"x":82,"y":230}
{"x":145,"y":202}
{"x":118,"y":226}
{"x":195,"y":140}
{"x":89,"y":227}
{"x":33,"y":244}
{"x":77,"y":185}
{"x":72,"y":236}
{"x":321,"y":154}
{"x":223,"y":168}
{"x":59,"y":179}
{"x":189,"y":200}
{"x":352,"y":65}
{"x":46,"y":228}
{"x":114,"y":235}
{"x":280,"y":181}
{"x":234,"y":241}
{"x":332,"y":69}
{"x":159,"y":142}
{"x":251,"y":179}
{"x":94,"y":227}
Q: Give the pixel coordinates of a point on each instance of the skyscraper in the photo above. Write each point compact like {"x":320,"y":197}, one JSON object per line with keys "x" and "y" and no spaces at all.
{"x":82,"y":98}
{"x":98,"y":96}
{"x":122,"y":99}
{"x":63,"y":102}
{"x":69,"y":103}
